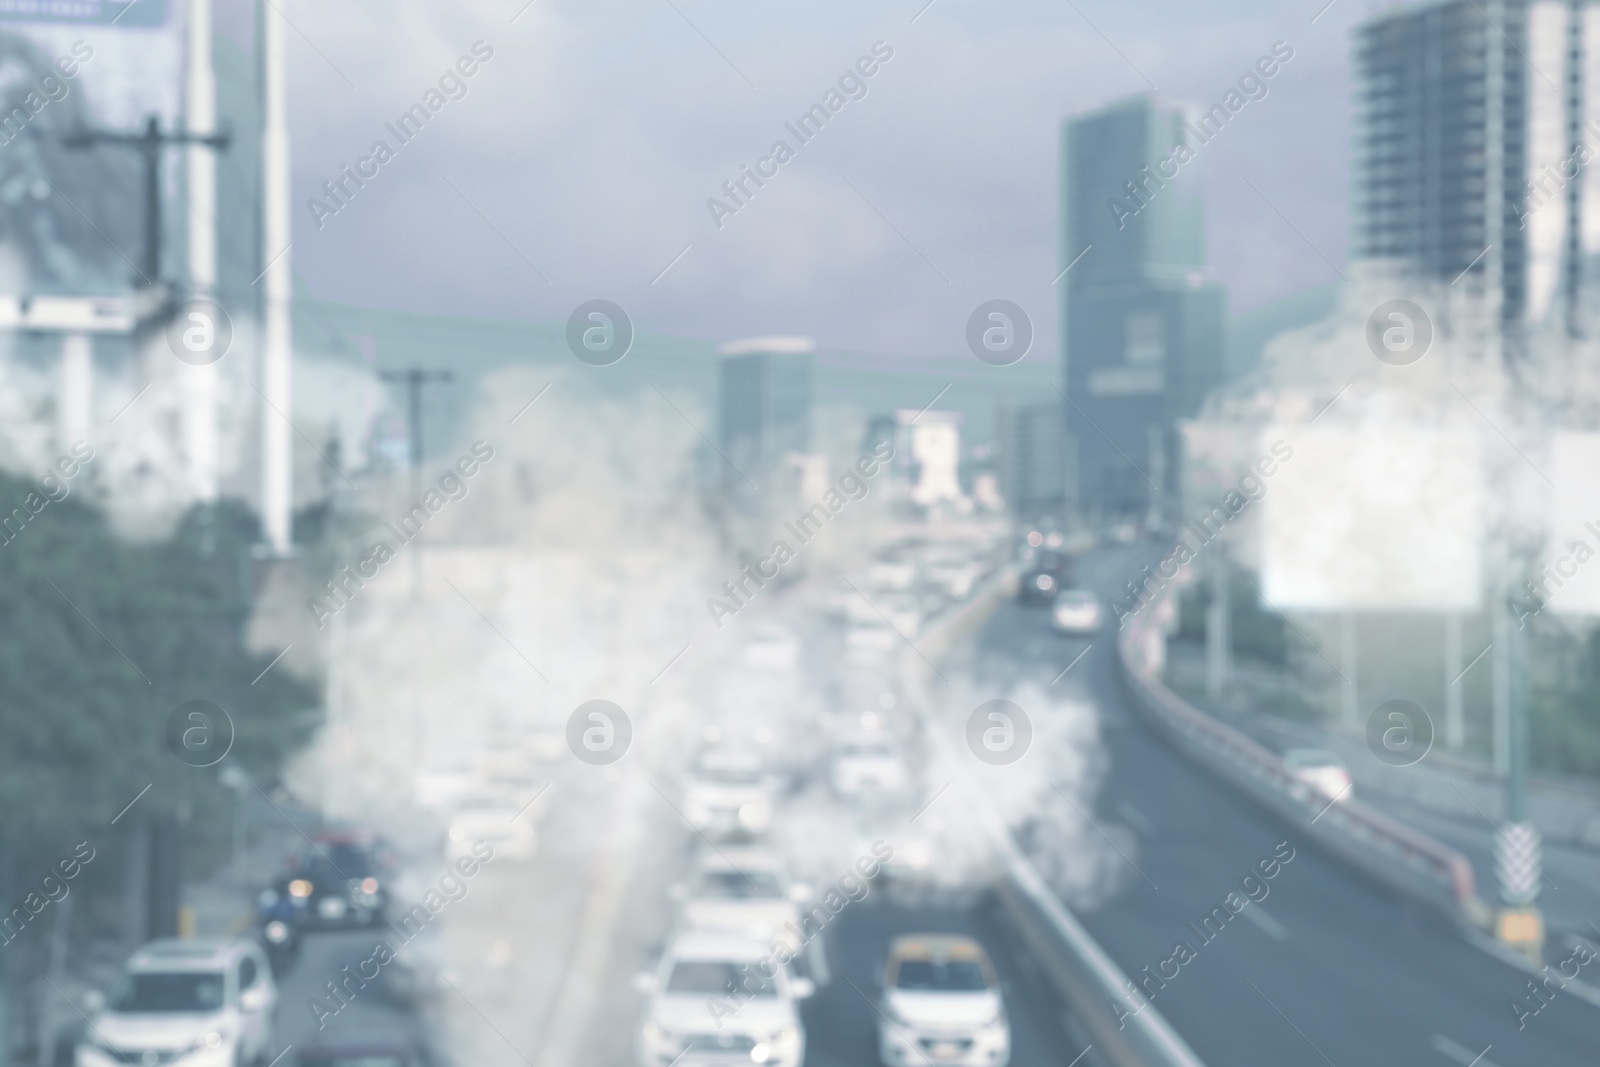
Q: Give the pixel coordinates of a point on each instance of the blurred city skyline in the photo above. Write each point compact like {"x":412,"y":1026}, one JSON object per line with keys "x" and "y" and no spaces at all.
{"x":587,"y":150}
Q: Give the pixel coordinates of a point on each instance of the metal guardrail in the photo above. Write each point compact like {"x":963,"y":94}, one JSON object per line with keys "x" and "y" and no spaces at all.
{"x":1083,"y":974}
{"x":1403,"y":858}
{"x":1087,"y":978}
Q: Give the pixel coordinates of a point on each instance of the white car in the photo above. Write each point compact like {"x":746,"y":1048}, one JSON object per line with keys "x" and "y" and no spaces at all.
{"x":869,"y":765}
{"x":497,"y":820}
{"x":954,"y":575}
{"x":841,"y":598}
{"x":771,"y":647}
{"x":1319,"y":769}
{"x":898,"y":575}
{"x":941,"y":1004}
{"x":903,"y":612}
{"x":729,"y":792}
{"x":447,"y":778}
{"x":1075,"y":611}
{"x":186,"y":1004}
{"x":743,"y":891}
{"x":693,"y":1021}
{"x":915,"y":859}
{"x":1124,"y":533}
{"x":870,"y":644}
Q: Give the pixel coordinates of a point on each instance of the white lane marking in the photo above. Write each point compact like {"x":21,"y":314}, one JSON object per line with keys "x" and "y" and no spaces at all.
{"x":1274,"y":929}
{"x":1071,"y":665}
{"x":1135,"y":818}
{"x":1444,"y":1046}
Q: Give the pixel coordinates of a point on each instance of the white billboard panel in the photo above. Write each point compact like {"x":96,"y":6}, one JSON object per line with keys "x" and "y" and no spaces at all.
{"x":1374,"y":518}
{"x":86,"y":12}
{"x":67,"y":65}
{"x":1568,"y":578}
{"x":128,"y":56}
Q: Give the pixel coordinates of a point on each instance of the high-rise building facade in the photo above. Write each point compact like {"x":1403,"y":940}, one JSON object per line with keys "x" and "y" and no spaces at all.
{"x":1144,"y":332}
{"x":764,"y":387}
{"x":1476,"y":124}
{"x":1033,"y":461}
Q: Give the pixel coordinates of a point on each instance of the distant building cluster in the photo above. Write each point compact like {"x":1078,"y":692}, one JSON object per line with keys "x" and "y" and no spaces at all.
{"x":1477,"y":127}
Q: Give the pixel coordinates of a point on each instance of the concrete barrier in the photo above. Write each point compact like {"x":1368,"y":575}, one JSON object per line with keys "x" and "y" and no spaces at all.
{"x":1082,"y":973}
{"x":1395,"y":854}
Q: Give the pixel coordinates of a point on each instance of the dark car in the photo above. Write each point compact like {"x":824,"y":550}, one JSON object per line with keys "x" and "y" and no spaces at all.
{"x":340,"y":879}
{"x":354,"y":1051}
{"x":1049,"y":573}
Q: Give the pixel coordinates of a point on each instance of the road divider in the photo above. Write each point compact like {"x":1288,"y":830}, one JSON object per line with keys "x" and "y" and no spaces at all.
{"x":1083,"y":975}
{"x":1406,"y":860}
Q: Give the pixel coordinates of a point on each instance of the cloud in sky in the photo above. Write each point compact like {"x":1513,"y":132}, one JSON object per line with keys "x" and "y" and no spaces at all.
{"x":585,"y":151}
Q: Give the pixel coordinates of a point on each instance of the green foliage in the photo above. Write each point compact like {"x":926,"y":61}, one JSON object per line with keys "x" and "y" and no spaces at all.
{"x":103,"y":640}
{"x":1564,"y":721}
{"x":1258,"y":633}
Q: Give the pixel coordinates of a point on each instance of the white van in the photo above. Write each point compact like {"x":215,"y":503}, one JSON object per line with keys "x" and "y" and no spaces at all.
{"x":186,"y":1004}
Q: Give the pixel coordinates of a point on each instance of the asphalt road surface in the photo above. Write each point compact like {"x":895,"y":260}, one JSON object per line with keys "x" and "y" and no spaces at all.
{"x":842,"y":1019}
{"x":1329,"y":967}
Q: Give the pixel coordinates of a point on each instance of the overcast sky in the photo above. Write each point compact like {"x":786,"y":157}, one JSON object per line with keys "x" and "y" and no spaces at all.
{"x":584,"y":152}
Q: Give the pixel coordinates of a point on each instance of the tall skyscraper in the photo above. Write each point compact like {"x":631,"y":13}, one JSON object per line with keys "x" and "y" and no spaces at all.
{"x":765,"y":396}
{"x":1143,"y":330}
{"x":1033,"y":461}
{"x":1475,"y":125}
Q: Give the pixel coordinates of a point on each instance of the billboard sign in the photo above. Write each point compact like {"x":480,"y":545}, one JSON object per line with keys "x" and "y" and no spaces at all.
{"x":1565,"y":579}
{"x":1375,"y":518}
{"x":128,"y":13}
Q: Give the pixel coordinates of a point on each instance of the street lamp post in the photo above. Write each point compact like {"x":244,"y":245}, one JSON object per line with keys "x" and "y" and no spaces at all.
{"x":1518,"y":861}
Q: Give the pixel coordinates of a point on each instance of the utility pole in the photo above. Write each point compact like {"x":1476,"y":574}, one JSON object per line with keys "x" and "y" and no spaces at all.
{"x":1455,"y":728}
{"x":1350,"y":666}
{"x":1572,"y":253}
{"x":414,"y":378}
{"x":149,"y":144}
{"x":200,"y":381}
{"x":1155,"y":509}
{"x":1518,"y":860}
{"x":277,"y":295}
{"x":1219,"y":626}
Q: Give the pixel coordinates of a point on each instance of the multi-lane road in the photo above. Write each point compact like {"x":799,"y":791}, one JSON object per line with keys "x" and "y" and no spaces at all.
{"x":1329,"y":967}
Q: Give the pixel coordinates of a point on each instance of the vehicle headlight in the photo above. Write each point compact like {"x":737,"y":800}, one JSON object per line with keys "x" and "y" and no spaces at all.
{"x":369,"y":886}
{"x":655,"y":1035}
{"x":212,"y":1041}
{"x":752,"y":814}
{"x":277,"y":931}
{"x":784,"y":1038}
{"x":457,"y":834}
{"x":300,"y":888}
